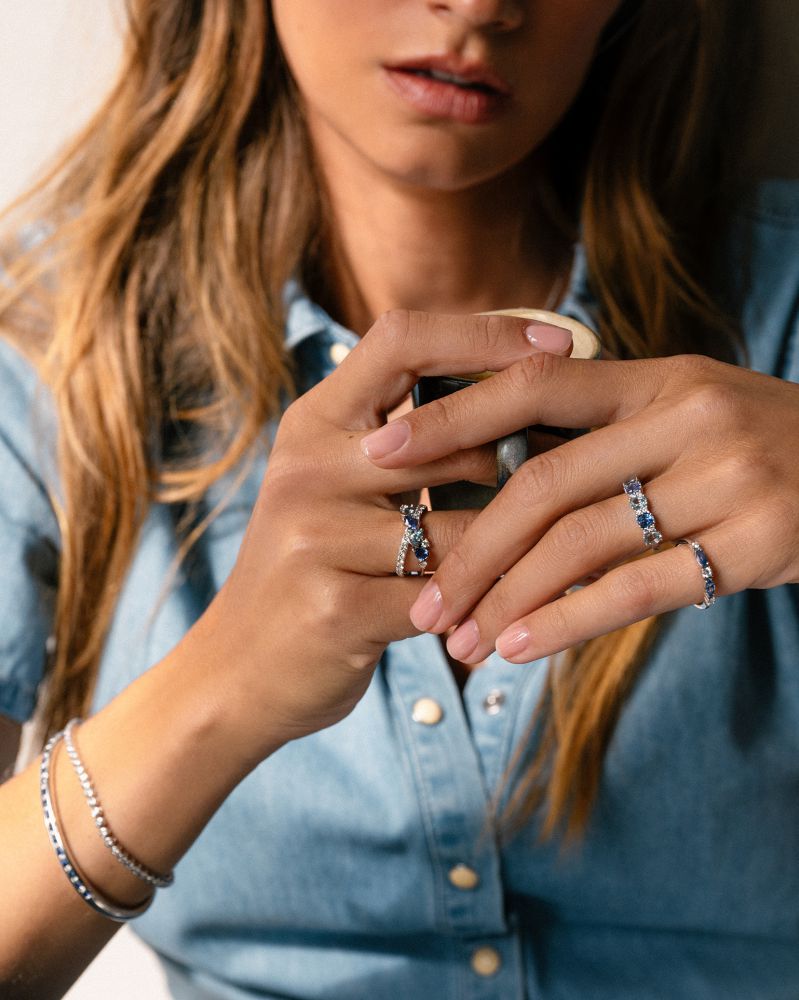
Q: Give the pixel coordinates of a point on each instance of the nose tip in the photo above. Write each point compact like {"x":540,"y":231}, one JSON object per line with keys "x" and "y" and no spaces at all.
{"x":493,"y":15}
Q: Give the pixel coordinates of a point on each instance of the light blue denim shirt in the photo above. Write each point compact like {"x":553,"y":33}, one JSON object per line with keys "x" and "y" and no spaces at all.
{"x":328,"y":873}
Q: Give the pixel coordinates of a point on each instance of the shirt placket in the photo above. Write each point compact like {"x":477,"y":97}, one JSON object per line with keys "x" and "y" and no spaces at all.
{"x":454,"y":803}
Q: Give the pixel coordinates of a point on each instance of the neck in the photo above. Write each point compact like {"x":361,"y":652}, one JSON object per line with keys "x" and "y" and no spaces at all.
{"x":399,"y":246}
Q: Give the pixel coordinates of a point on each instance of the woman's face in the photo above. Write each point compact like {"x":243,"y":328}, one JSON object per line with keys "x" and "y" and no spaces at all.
{"x":442,"y":94}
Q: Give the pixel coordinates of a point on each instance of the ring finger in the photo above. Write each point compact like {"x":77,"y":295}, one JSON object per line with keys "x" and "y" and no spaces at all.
{"x":664,"y":582}
{"x":579,"y":474}
{"x":584,"y":541}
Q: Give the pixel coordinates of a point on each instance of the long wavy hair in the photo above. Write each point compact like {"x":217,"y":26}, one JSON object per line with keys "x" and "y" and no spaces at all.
{"x":152,"y":304}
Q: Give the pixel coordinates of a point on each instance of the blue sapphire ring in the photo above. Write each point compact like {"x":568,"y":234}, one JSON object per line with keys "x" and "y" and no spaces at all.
{"x":643,"y":515}
{"x":413,"y":538}
{"x":707,"y":572}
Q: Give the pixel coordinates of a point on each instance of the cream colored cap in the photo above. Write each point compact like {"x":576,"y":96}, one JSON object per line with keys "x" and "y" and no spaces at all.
{"x":585,"y":342}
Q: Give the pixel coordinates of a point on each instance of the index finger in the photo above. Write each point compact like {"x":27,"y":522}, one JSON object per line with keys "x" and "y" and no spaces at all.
{"x":403,"y":345}
{"x":540,"y":389}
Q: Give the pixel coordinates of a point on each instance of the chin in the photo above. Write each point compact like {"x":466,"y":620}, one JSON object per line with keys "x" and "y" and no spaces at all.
{"x":440,"y":167}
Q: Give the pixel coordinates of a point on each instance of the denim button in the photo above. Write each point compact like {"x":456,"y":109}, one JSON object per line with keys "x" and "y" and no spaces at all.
{"x":427,"y":711}
{"x":486,"y":961}
{"x":494,"y":701}
{"x":463,"y":877}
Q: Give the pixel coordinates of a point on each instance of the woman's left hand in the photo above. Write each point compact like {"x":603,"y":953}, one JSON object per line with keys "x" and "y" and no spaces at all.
{"x":716,"y":448}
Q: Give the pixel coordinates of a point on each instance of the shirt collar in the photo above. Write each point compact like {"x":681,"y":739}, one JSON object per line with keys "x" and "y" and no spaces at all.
{"x":305,"y":318}
{"x":579,"y":301}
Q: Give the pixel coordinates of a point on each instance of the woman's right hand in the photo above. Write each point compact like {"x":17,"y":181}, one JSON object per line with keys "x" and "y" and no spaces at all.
{"x":313,"y":600}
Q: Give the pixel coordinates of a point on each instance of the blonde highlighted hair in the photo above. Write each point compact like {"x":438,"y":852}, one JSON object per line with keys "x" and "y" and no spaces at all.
{"x":153,"y":306}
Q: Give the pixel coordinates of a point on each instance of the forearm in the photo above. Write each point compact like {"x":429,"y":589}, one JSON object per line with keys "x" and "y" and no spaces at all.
{"x":162,"y":757}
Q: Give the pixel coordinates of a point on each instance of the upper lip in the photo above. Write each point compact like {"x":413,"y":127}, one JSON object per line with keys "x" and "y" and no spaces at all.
{"x":470,"y":71}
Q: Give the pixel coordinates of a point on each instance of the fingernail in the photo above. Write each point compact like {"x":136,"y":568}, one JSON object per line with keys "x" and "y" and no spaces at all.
{"x":464,"y":639}
{"x":548,"y":338}
{"x":427,"y":608}
{"x":386,"y":440}
{"x":512,"y":641}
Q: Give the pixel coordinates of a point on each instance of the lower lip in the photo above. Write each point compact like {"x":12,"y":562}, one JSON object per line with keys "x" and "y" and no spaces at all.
{"x":439,"y":99}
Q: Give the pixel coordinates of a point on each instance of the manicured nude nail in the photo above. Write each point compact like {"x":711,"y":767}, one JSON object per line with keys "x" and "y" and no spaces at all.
{"x":512,"y":641}
{"x":548,"y":338}
{"x":388,"y":439}
{"x":464,"y":639}
{"x":427,"y":608}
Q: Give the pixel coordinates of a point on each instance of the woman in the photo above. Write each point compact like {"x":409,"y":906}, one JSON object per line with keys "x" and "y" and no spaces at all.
{"x":313,"y":199}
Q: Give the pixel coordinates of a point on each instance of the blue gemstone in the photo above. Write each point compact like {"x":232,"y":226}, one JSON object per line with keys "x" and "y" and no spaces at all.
{"x":710,"y":588}
{"x":411,"y":521}
{"x":646,"y":520}
{"x":632,"y":486}
{"x":701,"y":558}
{"x":416,"y":537}
{"x":421,"y":553}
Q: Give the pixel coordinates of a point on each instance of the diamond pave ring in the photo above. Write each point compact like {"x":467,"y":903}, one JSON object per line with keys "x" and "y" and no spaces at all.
{"x":413,"y":538}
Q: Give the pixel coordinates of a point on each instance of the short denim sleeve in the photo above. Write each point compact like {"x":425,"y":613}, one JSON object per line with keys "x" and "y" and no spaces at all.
{"x":28,"y":534}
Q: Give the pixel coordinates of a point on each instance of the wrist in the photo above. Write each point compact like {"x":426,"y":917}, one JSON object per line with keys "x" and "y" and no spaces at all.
{"x":164,"y":755}
{"x":219,"y":700}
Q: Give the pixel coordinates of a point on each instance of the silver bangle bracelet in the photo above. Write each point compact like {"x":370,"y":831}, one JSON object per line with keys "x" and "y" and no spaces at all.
{"x":88,"y":895}
{"x":135,"y":867}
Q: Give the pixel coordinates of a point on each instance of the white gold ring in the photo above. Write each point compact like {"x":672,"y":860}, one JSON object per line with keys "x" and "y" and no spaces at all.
{"x":707,"y":572}
{"x":643,"y":515}
{"x":413,"y":538}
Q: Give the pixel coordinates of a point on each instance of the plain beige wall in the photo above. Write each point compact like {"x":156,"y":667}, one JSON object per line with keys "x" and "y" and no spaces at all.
{"x":57,"y":58}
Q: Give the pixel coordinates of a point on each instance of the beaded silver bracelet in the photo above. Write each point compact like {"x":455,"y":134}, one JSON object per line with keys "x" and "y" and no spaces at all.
{"x":135,"y":867}
{"x":76,"y":880}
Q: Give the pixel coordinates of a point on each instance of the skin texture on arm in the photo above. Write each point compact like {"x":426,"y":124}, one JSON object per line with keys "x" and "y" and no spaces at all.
{"x":159,"y":785}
